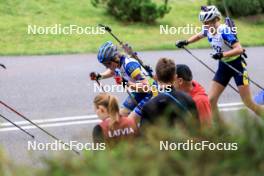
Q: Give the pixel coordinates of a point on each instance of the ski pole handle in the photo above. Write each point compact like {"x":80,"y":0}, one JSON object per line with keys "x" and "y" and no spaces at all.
{"x":3,"y":66}
{"x":99,"y":84}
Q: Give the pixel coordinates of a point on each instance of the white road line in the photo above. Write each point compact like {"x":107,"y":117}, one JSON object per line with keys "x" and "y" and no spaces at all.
{"x":39,"y":121}
{"x":231,"y":109}
{"x":52,"y":125}
{"x":88,"y":119}
{"x":230,"y":104}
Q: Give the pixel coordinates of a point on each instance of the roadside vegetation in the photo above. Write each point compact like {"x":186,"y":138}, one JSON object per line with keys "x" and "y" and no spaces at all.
{"x":144,"y":157}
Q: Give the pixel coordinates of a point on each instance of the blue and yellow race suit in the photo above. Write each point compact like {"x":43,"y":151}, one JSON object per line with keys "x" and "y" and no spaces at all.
{"x":220,"y":42}
{"x":132,"y":71}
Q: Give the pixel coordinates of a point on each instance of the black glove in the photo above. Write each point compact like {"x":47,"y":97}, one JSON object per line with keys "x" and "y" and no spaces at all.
{"x":182,"y":43}
{"x":95,"y":76}
{"x":149,"y":70}
{"x":217,"y":56}
{"x":124,"y":82}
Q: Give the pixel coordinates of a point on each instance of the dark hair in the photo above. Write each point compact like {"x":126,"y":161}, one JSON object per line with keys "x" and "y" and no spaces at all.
{"x":165,"y":70}
{"x":184,"y":72}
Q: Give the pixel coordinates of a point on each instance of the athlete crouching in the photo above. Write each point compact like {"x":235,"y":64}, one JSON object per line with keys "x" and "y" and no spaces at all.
{"x":133,"y":74}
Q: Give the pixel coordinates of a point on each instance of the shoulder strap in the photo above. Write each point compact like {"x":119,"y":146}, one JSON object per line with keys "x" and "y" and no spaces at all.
{"x":176,"y":101}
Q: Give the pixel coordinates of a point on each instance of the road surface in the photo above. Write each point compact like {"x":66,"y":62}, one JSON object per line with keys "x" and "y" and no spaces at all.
{"x":55,"y":92}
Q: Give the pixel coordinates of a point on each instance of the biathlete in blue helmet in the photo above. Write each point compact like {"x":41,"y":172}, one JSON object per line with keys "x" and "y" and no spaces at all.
{"x":133,"y":74}
{"x":228,"y":49}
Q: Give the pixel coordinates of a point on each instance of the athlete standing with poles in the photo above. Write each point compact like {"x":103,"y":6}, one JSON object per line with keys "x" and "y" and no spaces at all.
{"x":229,"y":52}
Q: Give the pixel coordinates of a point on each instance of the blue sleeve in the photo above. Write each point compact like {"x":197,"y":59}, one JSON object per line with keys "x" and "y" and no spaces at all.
{"x":229,"y":36}
{"x":204,"y":31}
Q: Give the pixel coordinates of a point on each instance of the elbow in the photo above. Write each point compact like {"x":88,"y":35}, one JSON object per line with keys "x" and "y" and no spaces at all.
{"x":240,"y":50}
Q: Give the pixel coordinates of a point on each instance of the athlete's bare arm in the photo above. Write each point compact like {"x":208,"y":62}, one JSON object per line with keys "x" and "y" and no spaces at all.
{"x":107,"y":74}
{"x":237,"y":50}
{"x":195,"y":38}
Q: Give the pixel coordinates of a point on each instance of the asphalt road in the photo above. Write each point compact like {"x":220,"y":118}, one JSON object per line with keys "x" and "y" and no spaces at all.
{"x":56,"y":90}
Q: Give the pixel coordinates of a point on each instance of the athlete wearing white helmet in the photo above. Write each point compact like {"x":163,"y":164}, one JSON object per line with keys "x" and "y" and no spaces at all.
{"x":208,"y":13}
{"x":226,"y":48}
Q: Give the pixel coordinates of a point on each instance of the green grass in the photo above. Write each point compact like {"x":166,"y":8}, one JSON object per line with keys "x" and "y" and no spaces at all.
{"x":16,"y":15}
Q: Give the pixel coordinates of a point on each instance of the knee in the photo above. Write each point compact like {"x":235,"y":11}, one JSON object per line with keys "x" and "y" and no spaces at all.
{"x":254,"y":107}
{"x":249,"y":103}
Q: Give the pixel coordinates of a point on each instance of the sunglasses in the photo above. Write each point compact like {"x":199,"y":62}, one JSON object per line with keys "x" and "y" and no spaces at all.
{"x":107,"y":64}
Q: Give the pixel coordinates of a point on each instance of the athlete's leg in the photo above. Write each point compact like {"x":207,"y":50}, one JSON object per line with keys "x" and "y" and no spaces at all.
{"x":136,"y":113}
{"x":214,"y":93}
{"x":128,"y":106}
{"x":132,"y":110}
{"x":242,"y":83}
{"x":219,"y":83}
{"x":246,"y":97}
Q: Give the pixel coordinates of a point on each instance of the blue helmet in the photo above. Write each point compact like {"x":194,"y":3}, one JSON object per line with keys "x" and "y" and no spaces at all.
{"x":106,"y":52}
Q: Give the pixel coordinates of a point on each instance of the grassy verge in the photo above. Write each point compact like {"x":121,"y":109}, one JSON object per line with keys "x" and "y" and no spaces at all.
{"x":16,"y":15}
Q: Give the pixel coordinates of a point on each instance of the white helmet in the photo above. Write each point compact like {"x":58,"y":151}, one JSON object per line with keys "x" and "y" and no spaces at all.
{"x":208,"y":13}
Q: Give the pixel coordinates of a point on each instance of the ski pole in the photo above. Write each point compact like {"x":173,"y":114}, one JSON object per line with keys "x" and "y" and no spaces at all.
{"x":241,"y":74}
{"x":99,"y":84}
{"x":109,"y":30}
{"x":204,"y":64}
{"x":134,"y":54}
{"x":3,"y":66}
{"x":31,"y":135}
{"x":33,"y":123}
{"x":129,"y":50}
